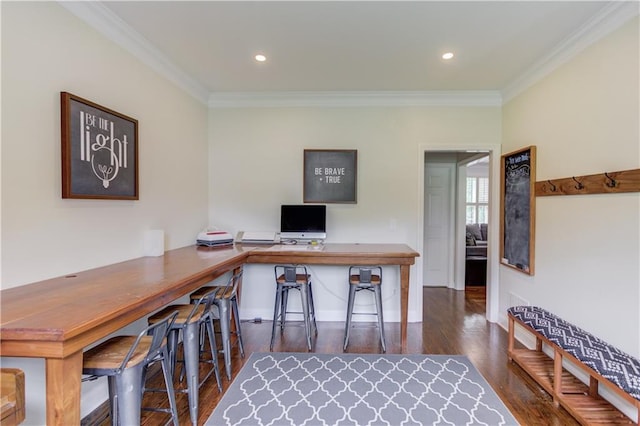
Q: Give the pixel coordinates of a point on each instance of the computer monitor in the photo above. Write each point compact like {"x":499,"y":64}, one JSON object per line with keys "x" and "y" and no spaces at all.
{"x":303,"y":222}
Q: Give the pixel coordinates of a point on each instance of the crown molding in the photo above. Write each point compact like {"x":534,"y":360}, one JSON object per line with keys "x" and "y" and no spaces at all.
{"x":354,"y":99}
{"x":95,"y":14}
{"x":610,"y":18}
{"x":115,"y":29}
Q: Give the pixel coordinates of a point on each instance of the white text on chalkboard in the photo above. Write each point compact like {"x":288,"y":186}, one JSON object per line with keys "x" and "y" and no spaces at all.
{"x":519,"y":159}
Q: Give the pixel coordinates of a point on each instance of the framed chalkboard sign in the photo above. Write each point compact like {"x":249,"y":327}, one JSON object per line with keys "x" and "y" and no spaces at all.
{"x":99,"y":151}
{"x":330,"y":175}
{"x":517,"y":213}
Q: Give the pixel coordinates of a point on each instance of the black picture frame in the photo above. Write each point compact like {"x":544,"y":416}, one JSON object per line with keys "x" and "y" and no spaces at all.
{"x":330,"y":176}
{"x":99,"y":151}
{"x":518,"y":208}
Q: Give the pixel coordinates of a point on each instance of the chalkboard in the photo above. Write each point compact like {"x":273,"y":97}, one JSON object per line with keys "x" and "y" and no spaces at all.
{"x":517,"y":214}
{"x":330,"y":176}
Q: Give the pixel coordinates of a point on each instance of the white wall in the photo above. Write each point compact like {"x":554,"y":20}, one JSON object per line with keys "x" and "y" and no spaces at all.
{"x":584,"y":119}
{"x":478,"y":170}
{"x":46,"y":50}
{"x":258,"y":154}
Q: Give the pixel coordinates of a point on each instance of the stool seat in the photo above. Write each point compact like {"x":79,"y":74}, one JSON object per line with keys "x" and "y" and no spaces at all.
{"x":184,"y":313}
{"x":201,"y":292}
{"x":355,"y":280}
{"x":300,"y":279}
{"x":110,"y":355}
{"x":223,"y":293}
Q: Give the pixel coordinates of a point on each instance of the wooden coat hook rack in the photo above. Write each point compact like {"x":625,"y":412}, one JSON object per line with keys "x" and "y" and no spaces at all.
{"x":601,"y":183}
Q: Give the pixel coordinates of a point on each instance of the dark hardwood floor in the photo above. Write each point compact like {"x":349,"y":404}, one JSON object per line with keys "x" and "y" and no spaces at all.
{"x":454,"y":323}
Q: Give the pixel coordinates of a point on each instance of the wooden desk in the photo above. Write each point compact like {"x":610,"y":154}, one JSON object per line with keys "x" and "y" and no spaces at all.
{"x":350,"y":254}
{"x":56,"y":319}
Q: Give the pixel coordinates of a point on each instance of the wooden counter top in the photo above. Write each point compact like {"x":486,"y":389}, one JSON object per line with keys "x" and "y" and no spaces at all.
{"x":64,"y":308}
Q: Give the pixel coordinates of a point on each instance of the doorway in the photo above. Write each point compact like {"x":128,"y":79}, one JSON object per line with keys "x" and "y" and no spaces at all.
{"x":465,"y":161}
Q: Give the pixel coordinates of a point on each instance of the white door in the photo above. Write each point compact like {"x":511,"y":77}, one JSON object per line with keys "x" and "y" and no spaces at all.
{"x":439,"y":219}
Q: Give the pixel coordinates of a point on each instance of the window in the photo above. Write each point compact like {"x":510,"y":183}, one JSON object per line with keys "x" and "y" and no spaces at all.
{"x":477,"y":200}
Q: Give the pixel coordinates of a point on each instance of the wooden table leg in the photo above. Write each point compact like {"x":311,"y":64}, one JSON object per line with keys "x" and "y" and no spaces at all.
{"x":63,"y":389}
{"x":404,"y":305}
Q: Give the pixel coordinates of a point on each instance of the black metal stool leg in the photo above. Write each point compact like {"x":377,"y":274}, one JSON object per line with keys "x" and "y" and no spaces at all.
{"x":377,"y":292}
{"x":236,"y":316}
{"x":304,"y":298}
{"x":276,"y":315}
{"x":347,"y":329}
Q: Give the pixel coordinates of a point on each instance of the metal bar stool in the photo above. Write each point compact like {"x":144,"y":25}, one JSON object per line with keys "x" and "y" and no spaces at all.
{"x":293,"y":277}
{"x":191,"y":317}
{"x":125,"y":361}
{"x":365,"y":278}
{"x":226,"y":301}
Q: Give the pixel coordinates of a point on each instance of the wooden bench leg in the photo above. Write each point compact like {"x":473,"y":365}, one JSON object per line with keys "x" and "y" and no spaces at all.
{"x":593,"y":387}
{"x":511,"y":344}
{"x":557,"y":377}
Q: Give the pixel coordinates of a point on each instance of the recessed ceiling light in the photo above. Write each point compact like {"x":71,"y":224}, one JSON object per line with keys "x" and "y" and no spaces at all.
{"x":260,"y":58}
{"x":447,"y":55}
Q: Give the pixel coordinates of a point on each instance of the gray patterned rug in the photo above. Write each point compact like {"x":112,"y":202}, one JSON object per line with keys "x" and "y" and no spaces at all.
{"x":347,"y":389}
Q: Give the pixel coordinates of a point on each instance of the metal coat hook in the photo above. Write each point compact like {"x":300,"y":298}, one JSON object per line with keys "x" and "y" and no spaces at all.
{"x":611,"y":183}
{"x":603,"y":182}
{"x":579,"y":185}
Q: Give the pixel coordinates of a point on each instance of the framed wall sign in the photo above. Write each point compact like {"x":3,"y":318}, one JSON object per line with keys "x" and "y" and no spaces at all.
{"x":518,"y":206}
{"x":330,"y":175}
{"x":99,"y":151}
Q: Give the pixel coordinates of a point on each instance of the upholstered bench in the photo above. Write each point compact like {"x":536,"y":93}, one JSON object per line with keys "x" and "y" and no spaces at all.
{"x":604,"y":364}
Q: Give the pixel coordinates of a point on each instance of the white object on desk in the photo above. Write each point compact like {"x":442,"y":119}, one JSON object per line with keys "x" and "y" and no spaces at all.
{"x":257,"y":237}
{"x":153,"y":242}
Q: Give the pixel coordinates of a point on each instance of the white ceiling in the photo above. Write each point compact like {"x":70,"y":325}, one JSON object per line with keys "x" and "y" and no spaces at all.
{"x":353,"y":46}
